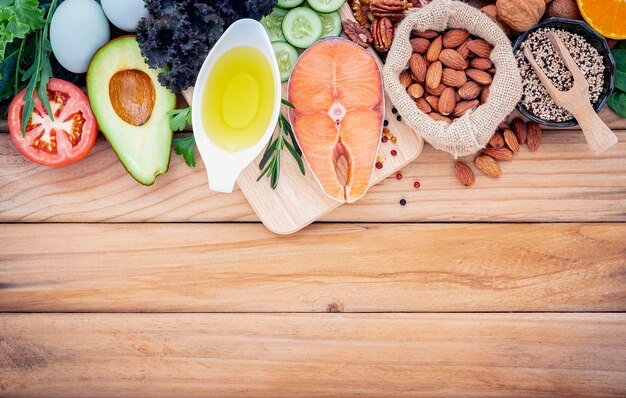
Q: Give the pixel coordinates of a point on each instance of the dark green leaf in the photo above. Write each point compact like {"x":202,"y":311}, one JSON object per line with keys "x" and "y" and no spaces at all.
{"x":289,"y":104}
{"x":179,"y":118}
{"x":276,"y":171}
{"x":621,"y":45}
{"x":617,"y":102}
{"x":42,"y":89}
{"x":17,"y":19}
{"x":186,"y":147}
{"x":620,"y":80}
{"x":620,"y":59}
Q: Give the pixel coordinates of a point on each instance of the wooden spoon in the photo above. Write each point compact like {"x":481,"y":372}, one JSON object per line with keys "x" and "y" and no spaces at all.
{"x":599,"y":137}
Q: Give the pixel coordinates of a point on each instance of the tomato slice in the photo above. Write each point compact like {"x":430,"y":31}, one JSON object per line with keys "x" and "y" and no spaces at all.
{"x":59,"y":142}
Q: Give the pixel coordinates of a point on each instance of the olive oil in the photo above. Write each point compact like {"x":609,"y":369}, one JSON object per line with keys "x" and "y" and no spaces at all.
{"x":238,"y":99}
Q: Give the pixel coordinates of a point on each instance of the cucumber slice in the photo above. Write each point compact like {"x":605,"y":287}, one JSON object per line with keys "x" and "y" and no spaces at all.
{"x":288,"y":3}
{"x":302,"y":27}
{"x":326,"y":6}
{"x":286,"y":55}
{"x":273,"y":24}
{"x":331,"y":24}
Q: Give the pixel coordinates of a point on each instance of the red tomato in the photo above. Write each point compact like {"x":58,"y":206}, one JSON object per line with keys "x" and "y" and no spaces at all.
{"x":67,"y":139}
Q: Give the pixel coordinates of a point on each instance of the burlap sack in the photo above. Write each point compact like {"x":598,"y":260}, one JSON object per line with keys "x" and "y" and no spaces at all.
{"x":472,"y":131}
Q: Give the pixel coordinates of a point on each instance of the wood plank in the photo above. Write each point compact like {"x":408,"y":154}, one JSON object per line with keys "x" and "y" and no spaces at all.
{"x":367,"y":268}
{"x":326,"y":355}
{"x":563,"y":181}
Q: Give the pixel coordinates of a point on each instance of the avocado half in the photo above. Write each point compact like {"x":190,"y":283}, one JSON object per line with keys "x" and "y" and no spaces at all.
{"x":131,"y":108}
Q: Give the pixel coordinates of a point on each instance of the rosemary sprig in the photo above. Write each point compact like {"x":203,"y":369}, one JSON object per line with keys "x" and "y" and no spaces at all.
{"x":270,"y":162}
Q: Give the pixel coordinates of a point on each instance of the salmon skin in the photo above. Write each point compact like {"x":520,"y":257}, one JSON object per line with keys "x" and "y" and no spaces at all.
{"x":337,"y":92}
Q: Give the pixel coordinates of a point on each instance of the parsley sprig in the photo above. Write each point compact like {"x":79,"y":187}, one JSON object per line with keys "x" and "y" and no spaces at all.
{"x":270,"y":162}
{"x":186,"y":146}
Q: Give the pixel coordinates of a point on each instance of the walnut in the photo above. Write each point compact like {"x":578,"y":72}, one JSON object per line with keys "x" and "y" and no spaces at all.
{"x":520,"y":15}
{"x":357,"y":33}
{"x":382,"y":32}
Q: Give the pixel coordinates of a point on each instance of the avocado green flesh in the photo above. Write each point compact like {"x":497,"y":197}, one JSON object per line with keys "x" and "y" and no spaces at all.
{"x":143,"y":150}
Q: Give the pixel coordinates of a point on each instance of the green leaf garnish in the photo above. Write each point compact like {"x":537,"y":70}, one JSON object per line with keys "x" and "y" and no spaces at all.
{"x":186,"y":147}
{"x":179,"y":118}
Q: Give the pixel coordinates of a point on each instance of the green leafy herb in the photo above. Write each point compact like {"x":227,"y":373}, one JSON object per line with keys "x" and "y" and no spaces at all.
{"x":617,"y":101}
{"x":620,"y":80}
{"x":39,"y":72}
{"x":179,"y":118}
{"x":186,"y":147}
{"x":17,"y":19}
{"x":270,"y":162}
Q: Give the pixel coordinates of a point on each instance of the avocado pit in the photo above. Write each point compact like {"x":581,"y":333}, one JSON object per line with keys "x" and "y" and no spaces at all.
{"x":132,"y":96}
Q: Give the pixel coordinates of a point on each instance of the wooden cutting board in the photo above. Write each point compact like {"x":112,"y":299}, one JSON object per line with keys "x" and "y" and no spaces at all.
{"x":298,"y":200}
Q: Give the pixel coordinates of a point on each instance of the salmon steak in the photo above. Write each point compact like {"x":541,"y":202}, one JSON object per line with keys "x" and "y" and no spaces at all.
{"x":337,"y":93}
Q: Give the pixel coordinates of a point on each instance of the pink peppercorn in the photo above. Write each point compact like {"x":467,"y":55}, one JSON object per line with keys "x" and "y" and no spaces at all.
{"x":394,"y":152}
{"x":417,"y":184}
{"x":399,"y":176}
{"x":379,"y":165}
{"x":384,"y":139}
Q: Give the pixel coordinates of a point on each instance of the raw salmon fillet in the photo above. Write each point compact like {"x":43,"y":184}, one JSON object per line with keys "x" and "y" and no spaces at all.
{"x":337,"y":92}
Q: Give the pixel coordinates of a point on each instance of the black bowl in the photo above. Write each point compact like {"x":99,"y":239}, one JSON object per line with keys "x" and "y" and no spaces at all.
{"x":597,"y":41}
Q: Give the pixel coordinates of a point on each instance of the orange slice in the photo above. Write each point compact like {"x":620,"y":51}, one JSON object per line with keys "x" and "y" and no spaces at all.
{"x":607,"y":17}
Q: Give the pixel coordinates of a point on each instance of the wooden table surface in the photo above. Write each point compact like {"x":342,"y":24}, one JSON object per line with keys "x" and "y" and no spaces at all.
{"x":515,"y":287}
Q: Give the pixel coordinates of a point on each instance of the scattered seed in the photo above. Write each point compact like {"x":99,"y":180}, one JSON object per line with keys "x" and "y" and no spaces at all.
{"x":394,"y":152}
{"x":402,"y":202}
{"x":394,"y":110}
{"x":399,"y":176}
{"x":384,"y":139}
{"x":386,"y":123}
{"x":379,"y":165}
{"x":394,"y":139}
{"x":416,"y":184}
{"x":399,"y":118}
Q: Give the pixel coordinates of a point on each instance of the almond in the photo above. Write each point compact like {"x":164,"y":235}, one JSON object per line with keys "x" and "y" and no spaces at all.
{"x":405,"y":78}
{"x":455,"y":37}
{"x":496,"y":141}
{"x":533,"y":135}
{"x":491,"y":71}
{"x":457,"y":97}
{"x":484,"y":94}
{"x":433,"y":74}
{"x":519,"y":128}
{"x":415,"y":90}
{"x":433,"y":102}
{"x":488,"y":166}
{"x":447,"y":101}
{"x":437,"y":90}
{"x":432,"y":54}
{"x":504,"y":125}
{"x":418,"y":66}
{"x":420,"y":45}
{"x":464,"y":106}
{"x":453,"y":78}
{"x":481,"y":63}
{"x":499,"y":153}
{"x":427,"y":34}
{"x":511,"y":140}
{"x":439,"y":117}
{"x":469,"y":90}
{"x":480,"y":47}
{"x":464,"y":174}
{"x":463,"y":49}
{"x":423,"y":105}
{"x":452,"y":59}
{"x":491,"y":11}
{"x":479,"y":76}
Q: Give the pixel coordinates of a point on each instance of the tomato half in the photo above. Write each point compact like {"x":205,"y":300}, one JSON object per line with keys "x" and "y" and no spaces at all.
{"x":59,"y":142}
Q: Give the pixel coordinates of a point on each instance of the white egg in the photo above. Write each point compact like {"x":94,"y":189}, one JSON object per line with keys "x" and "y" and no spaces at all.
{"x":78,"y":29}
{"x":125,"y":14}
